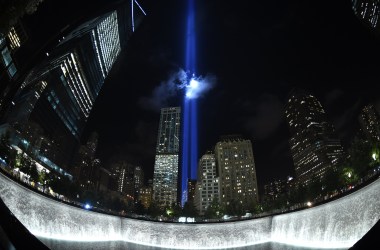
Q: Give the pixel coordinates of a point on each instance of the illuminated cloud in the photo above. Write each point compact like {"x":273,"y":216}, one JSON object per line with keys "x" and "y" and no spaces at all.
{"x":194,"y":86}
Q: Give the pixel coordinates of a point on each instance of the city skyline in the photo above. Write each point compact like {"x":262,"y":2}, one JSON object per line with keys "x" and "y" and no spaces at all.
{"x":253,"y":76}
{"x":190,"y":124}
{"x":241,"y":102}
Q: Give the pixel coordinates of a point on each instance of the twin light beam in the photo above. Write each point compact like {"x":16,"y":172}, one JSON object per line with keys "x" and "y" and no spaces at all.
{"x":190,"y":126}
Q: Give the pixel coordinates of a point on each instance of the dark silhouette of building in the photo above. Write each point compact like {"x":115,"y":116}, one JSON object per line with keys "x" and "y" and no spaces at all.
{"x":191,"y":184}
{"x":314,"y":145}
{"x":86,"y":167}
{"x":138,"y":180}
{"x":275,"y":188}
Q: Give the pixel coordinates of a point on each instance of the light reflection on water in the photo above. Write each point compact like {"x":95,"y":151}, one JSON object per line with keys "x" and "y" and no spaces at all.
{"x":117,"y":245}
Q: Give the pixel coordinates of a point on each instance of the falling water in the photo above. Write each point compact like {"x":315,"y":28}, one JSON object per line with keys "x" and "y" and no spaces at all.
{"x":337,"y":224}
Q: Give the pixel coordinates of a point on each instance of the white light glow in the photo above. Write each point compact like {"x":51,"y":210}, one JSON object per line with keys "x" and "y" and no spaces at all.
{"x":195,"y":86}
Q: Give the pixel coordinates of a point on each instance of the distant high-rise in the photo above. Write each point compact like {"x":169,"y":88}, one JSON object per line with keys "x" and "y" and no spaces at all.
{"x":368,"y":12}
{"x":165,"y":179}
{"x":369,"y":121}
{"x":313,"y":143}
{"x":145,"y":196}
{"x":191,"y":184}
{"x":125,"y":181}
{"x":207,"y":187}
{"x":59,"y":92}
{"x":236,"y":169}
{"x":138,"y":180}
{"x":85,"y":167}
{"x":92,"y":143}
{"x":275,"y":188}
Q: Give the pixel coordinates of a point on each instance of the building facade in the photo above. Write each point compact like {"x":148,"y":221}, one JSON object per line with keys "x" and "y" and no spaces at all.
{"x":277,"y":187}
{"x":60,"y":91}
{"x":10,"y":62}
{"x":207,"y":187}
{"x":138,"y":179}
{"x":237,"y":172}
{"x":314,"y":145}
{"x":165,"y":178}
{"x":145,"y":196}
{"x":86,"y":166}
{"x":368,"y":12}
{"x":369,"y":121}
{"x":125,"y":184}
{"x":191,"y":186}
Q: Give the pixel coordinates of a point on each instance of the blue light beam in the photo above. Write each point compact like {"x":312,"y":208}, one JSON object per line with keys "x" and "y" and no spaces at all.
{"x":190,"y":127}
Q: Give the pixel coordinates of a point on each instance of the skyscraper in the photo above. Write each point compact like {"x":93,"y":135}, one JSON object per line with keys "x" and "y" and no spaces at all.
{"x":138,"y":179}
{"x":125,"y":182}
{"x":368,"y":12}
{"x":10,"y":62}
{"x":369,"y":121}
{"x":85,"y":165}
{"x":165,"y":178}
{"x":59,"y":92}
{"x":207,"y":187}
{"x":236,"y":169}
{"x":313,"y":143}
{"x":277,"y":187}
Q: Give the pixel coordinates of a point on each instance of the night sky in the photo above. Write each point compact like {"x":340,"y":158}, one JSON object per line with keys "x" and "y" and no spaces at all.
{"x":256,"y":54}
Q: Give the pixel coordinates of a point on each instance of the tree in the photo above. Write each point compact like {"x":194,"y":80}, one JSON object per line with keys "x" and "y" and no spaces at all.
{"x":139,"y":208}
{"x":64,"y":186}
{"x":174,"y":211}
{"x":154,"y":210}
{"x":348,"y":176}
{"x":331,"y":181}
{"x":89,"y":196}
{"x":23,"y":163}
{"x":298,"y":194}
{"x":234,"y":208}
{"x":214,"y":210}
{"x":189,"y":210}
{"x":4,"y":146}
{"x":375,"y":154}
{"x":280,"y":201}
{"x":34,"y":175}
{"x":314,"y":189}
{"x":360,"y":153}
